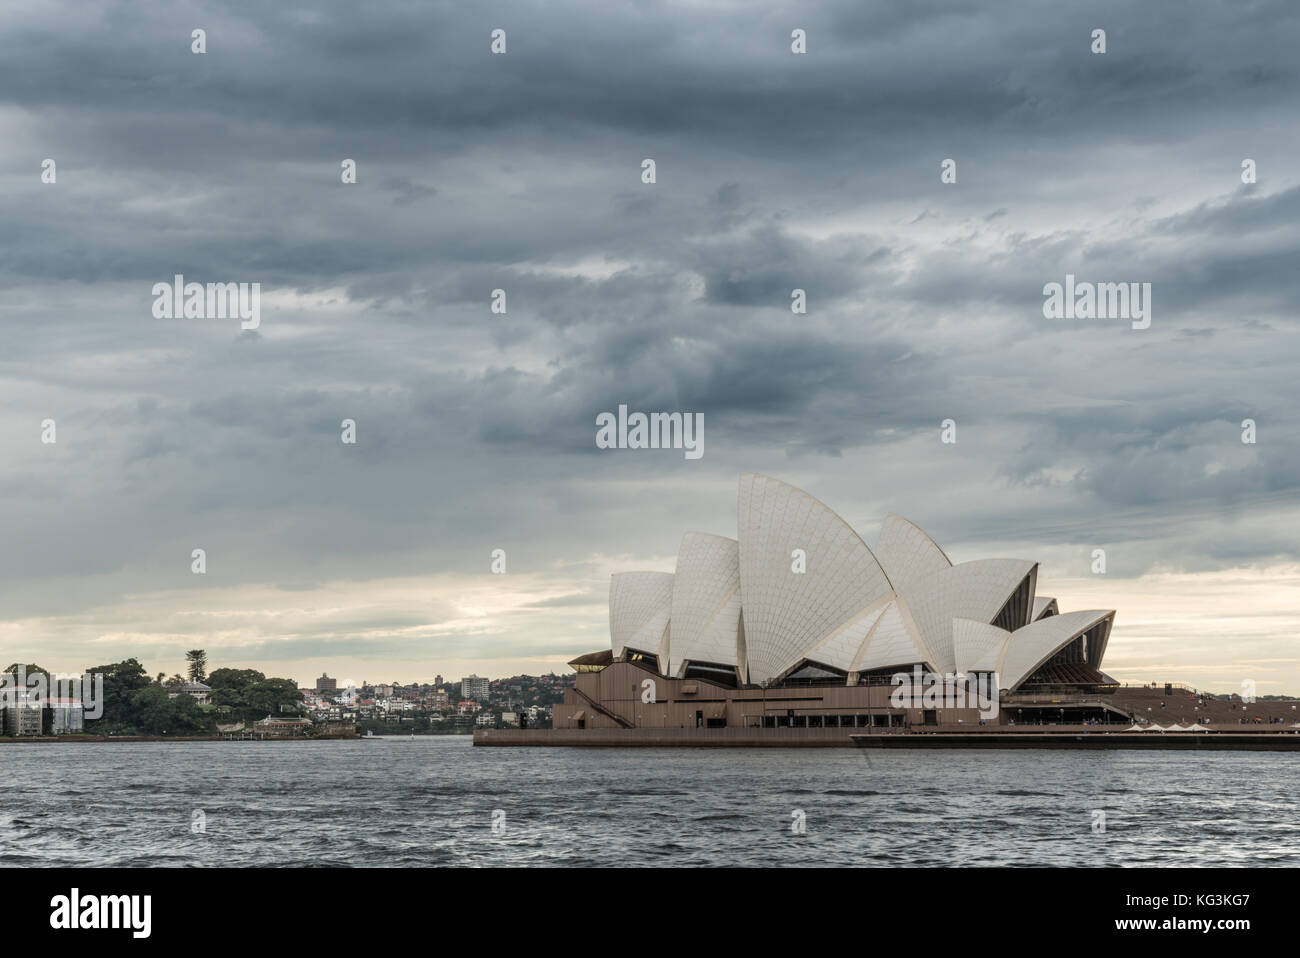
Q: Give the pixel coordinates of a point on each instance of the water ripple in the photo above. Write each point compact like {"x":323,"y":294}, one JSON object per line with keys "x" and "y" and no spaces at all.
{"x":439,"y":801}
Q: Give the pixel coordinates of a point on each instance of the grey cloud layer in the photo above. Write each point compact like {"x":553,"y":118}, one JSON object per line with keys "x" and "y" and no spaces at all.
{"x":522,"y":172}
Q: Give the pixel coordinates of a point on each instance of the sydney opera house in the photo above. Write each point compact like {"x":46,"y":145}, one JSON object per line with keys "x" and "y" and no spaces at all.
{"x":798,"y":623}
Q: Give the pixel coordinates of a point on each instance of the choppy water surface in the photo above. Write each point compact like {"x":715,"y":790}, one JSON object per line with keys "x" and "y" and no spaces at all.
{"x":432,"y":802}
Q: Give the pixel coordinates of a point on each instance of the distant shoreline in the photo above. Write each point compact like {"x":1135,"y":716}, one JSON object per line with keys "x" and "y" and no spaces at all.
{"x":74,"y":739}
{"x":84,"y":739}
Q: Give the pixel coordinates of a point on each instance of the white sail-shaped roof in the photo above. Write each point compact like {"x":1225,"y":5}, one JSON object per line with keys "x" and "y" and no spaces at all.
{"x":978,"y":646}
{"x":893,"y":641}
{"x":840,"y":649}
{"x":706,"y":602}
{"x":639,"y":606}
{"x":1044,"y":605}
{"x":787,"y":613}
{"x":906,"y":553}
{"x":743,"y":603}
{"x":971,"y":590}
{"x":1033,"y":645}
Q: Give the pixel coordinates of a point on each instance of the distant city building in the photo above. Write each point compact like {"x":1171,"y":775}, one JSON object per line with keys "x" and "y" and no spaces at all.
{"x":69,"y":716}
{"x":22,"y":713}
{"x":474,"y":687}
{"x":467,"y":707}
{"x":437,"y":680}
{"x":326,"y":684}
{"x":486,"y":720}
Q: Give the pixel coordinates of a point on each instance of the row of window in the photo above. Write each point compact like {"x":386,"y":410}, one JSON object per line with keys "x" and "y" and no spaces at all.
{"x":826,"y":721}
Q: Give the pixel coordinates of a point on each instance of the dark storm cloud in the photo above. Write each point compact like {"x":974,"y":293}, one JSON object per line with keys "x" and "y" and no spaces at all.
{"x":522,"y":173}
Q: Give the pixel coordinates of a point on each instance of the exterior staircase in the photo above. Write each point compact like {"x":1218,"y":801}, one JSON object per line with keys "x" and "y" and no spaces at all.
{"x":597,"y":707}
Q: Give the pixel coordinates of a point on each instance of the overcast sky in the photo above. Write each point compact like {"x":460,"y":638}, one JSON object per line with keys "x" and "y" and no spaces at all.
{"x":522,"y":171}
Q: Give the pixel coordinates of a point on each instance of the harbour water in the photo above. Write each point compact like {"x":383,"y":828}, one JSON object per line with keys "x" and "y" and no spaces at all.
{"x":439,"y":801}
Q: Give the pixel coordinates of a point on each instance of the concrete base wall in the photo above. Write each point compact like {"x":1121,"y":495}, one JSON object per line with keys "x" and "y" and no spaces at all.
{"x":670,"y":737}
{"x":847,"y":738}
{"x":1203,"y":741}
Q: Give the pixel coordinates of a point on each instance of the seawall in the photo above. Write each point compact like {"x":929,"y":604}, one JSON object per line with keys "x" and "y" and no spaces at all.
{"x":846,"y":738}
{"x":669,"y":737}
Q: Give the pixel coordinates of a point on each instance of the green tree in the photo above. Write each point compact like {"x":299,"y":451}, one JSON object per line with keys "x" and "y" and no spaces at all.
{"x":273,"y":696}
{"x":153,"y":711}
{"x":31,"y":668}
{"x":234,"y":678}
{"x":250,"y":695}
{"x":198,"y":664}
{"x":121,"y":681}
{"x":188,"y":717}
{"x":232,"y":699}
